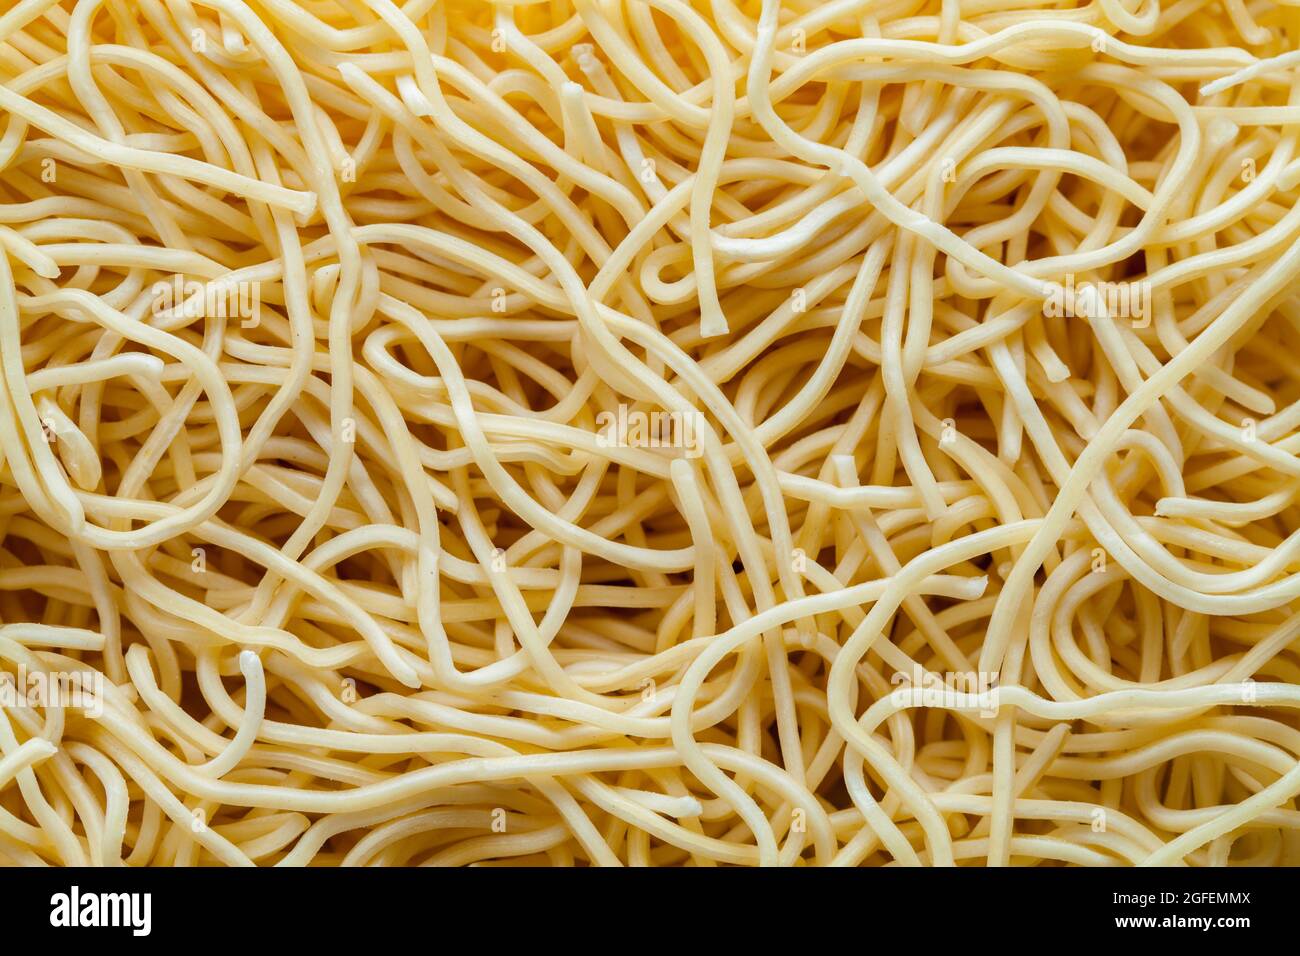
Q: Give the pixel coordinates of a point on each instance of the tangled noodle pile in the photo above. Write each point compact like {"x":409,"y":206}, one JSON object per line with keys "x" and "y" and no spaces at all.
{"x":650,"y":432}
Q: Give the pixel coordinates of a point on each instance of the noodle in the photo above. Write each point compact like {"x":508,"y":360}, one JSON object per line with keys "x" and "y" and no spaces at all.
{"x":649,"y":432}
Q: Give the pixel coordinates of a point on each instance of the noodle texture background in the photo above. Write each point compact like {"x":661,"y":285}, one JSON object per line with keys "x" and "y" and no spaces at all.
{"x":649,"y":432}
